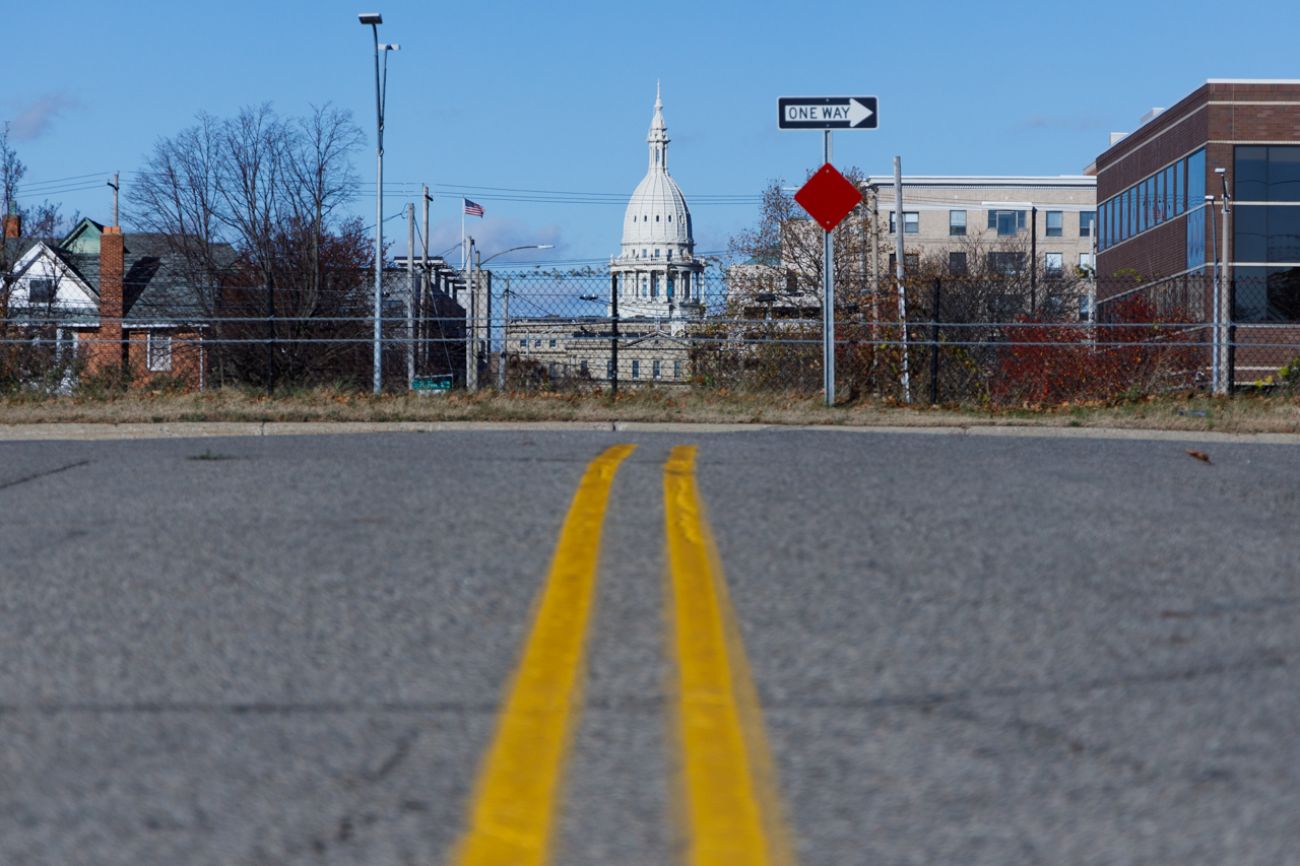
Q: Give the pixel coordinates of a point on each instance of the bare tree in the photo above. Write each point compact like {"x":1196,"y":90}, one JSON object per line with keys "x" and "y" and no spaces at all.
{"x":253,"y":205}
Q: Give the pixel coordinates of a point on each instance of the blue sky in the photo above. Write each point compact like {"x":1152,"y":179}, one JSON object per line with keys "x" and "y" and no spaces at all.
{"x":559,"y":96}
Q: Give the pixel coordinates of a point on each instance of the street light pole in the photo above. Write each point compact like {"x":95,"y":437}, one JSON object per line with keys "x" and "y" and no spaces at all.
{"x":474,"y":310}
{"x":374,"y":19}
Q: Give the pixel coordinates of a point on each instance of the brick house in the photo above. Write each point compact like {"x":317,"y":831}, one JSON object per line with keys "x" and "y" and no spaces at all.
{"x":119,"y":302}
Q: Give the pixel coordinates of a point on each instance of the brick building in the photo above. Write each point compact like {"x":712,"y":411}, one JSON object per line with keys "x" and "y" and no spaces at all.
{"x":1162,"y":225}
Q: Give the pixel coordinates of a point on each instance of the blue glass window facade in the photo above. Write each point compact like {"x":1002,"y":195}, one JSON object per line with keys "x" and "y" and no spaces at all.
{"x":1266,"y":233}
{"x":1168,"y":193}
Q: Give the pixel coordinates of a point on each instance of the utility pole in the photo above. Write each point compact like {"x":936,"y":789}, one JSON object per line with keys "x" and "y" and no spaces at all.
{"x":426,"y":284}
{"x":410,"y":296}
{"x":900,"y":275}
{"x":613,"y":335}
{"x":117,"y":186}
{"x":1033,"y":258}
{"x":1225,"y":304}
{"x":471,"y":321}
{"x":1216,"y":310}
{"x":505,"y":336}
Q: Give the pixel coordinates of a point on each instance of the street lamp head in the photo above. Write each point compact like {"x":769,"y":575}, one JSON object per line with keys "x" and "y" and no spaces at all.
{"x":546,"y":246}
{"x":371,"y":18}
{"x":391,"y":46}
{"x":1220,"y":170}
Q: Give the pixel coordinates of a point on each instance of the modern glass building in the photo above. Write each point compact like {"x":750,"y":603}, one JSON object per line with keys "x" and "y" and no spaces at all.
{"x":1161,"y":194}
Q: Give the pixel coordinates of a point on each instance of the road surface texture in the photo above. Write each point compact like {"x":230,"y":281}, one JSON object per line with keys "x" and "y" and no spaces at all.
{"x":908,"y":649}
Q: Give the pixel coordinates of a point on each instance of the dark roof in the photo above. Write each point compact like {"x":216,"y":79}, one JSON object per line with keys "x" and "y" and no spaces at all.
{"x":157,"y":284}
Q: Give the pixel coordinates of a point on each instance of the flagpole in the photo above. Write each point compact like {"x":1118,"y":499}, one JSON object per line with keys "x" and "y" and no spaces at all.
{"x":462,"y":235}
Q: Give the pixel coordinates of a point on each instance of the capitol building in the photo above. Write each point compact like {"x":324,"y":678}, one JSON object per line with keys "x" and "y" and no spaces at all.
{"x":656,"y":272}
{"x":659,"y":285}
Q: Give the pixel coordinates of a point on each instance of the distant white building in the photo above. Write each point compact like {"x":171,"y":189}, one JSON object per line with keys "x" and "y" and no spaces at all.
{"x":657,"y":274}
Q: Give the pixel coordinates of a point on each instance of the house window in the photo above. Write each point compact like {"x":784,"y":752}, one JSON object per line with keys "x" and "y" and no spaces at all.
{"x":552,"y":343}
{"x":1055,"y":223}
{"x":582,"y":368}
{"x":677,"y":369}
{"x":957,"y":264}
{"x":158,"y":349}
{"x":40,"y":291}
{"x":1006,"y":264}
{"x":1085,"y":262}
{"x":1007,"y":222}
{"x":957,"y":223}
{"x":654,"y":369}
{"x":537,"y":344}
{"x":551,"y":370}
{"x":1053,"y":264}
{"x":1086,"y":219}
{"x":609,"y":369}
{"x":523,"y":344}
{"x":636,"y":369}
{"x":911,"y":222}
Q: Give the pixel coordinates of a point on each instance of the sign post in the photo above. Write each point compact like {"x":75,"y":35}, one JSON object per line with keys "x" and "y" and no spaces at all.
{"x":828,"y":196}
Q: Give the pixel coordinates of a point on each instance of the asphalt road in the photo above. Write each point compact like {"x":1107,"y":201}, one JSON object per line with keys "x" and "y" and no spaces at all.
{"x":967,"y":650}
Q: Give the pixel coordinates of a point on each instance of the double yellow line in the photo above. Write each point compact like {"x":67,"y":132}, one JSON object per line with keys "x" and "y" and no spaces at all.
{"x":727,"y":784}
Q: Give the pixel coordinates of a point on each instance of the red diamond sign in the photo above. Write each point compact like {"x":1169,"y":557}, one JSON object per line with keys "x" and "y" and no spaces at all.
{"x":828,"y":197}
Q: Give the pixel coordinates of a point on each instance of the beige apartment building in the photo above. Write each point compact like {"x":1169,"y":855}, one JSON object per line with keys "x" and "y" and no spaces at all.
{"x":1028,"y":228}
{"x":988,"y":224}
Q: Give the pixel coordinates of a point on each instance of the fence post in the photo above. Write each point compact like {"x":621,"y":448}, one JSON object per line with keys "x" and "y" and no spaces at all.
{"x":613,"y":334}
{"x":934,"y":341}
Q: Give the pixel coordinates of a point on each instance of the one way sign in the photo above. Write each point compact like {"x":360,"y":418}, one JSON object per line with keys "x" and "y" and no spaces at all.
{"x":826,"y":112}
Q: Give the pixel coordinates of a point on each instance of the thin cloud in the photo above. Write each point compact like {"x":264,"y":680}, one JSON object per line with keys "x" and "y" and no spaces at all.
{"x":35,"y":118}
{"x":1068,"y":123}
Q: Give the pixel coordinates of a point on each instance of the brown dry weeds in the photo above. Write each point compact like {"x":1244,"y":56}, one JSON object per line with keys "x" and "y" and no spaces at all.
{"x":1242,"y":414}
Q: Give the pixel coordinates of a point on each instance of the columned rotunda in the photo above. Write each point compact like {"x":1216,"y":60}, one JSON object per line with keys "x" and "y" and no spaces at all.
{"x":656,"y":272}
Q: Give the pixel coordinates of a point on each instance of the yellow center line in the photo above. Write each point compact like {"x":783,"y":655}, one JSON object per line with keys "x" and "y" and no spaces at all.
{"x":517,"y":793}
{"x":732,"y":808}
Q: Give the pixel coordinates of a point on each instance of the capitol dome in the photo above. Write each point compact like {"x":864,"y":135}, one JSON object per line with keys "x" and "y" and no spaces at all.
{"x":656,"y":274}
{"x":657,"y":220}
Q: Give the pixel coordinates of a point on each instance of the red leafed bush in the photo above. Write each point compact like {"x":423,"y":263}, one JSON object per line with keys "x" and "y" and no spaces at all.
{"x":1137,"y":352}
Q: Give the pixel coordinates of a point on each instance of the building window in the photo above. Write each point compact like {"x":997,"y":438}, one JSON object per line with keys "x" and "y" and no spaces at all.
{"x":636,"y":369}
{"x":537,"y":344}
{"x":1055,"y":223}
{"x":551,"y":369}
{"x":609,"y":369}
{"x":1006,"y":264}
{"x":523,"y":344}
{"x":677,"y":369}
{"x":552,"y":343}
{"x":911,"y":222}
{"x":40,"y":291}
{"x":1085,"y":262}
{"x":1086,"y":220}
{"x":957,"y":264}
{"x":1006,"y":222}
{"x":956,"y":223}
{"x":582,"y":367}
{"x":654,"y":285}
{"x":911,"y":262}
{"x":158,"y":349}
{"x":1053,"y":264}
{"x":654,"y":369}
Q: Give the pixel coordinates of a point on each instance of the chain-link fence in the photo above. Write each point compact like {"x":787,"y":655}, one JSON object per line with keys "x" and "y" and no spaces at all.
{"x":941,"y":339}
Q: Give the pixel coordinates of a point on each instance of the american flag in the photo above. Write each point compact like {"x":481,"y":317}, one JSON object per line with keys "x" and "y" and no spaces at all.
{"x":473,"y":209}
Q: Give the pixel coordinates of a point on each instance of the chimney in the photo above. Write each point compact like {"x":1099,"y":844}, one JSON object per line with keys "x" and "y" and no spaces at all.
{"x":13,"y":226}
{"x":111,"y":272}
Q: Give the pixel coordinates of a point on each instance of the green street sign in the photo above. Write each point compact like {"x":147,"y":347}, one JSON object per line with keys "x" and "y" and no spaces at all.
{"x":437,"y":384}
